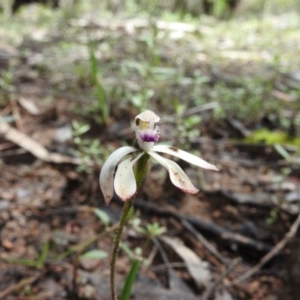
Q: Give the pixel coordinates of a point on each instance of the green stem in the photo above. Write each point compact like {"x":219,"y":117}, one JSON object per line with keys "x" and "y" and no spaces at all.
{"x":114,"y":255}
{"x":139,"y":172}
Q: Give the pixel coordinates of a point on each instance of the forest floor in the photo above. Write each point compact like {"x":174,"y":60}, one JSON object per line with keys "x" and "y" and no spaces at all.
{"x":228,"y":91}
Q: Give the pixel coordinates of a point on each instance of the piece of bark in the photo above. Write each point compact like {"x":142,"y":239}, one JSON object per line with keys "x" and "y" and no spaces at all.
{"x":32,"y":146}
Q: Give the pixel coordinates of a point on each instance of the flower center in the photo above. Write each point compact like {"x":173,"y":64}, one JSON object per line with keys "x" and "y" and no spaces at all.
{"x":146,"y":133}
{"x":149,"y":137}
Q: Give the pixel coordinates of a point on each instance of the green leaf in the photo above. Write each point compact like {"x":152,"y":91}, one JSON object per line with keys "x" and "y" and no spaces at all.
{"x":102,"y":215}
{"x":95,"y":254}
{"x":155,"y":229}
{"x":43,"y":256}
{"x":80,"y":128}
{"x":280,"y":149}
{"x":126,"y":291}
{"x":127,"y":250}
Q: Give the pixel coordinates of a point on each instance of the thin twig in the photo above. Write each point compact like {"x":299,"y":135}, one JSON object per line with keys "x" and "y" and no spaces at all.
{"x":213,"y":285}
{"x":191,"y":111}
{"x":150,"y":259}
{"x":174,"y":282}
{"x":289,"y":235}
{"x":171,"y":265}
{"x":204,"y":241}
{"x":18,"y":286}
{"x":164,"y":257}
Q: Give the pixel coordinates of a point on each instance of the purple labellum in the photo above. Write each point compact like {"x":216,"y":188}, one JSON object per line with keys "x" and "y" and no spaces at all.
{"x":147,"y":137}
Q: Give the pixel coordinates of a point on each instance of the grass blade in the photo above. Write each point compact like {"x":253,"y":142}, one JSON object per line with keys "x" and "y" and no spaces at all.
{"x":130,"y":280}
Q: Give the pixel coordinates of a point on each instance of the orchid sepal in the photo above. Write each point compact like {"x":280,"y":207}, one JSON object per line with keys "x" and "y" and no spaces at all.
{"x":125,"y":182}
{"x":192,"y":159}
{"x":106,"y":178}
{"x":177,"y":175}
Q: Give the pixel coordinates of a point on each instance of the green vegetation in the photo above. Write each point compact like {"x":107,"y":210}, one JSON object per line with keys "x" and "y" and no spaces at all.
{"x":237,"y":62}
{"x":273,"y":137}
{"x":89,"y":150}
{"x":39,"y":263}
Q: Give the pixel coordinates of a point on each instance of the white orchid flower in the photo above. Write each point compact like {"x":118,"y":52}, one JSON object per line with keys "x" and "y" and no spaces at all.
{"x":147,"y":134}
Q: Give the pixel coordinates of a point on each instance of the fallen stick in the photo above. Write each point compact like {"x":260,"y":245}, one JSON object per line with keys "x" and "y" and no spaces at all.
{"x":205,"y":242}
{"x":289,"y":235}
{"x":17,"y":286}
{"x":32,"y":146}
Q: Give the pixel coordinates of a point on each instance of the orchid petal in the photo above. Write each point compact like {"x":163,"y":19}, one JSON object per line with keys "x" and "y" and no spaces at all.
{"x":125,"y":183}
{"x":108,"y":170}
{"x":193,"y":159}
{"x":177,"y":175}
